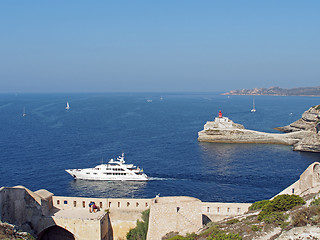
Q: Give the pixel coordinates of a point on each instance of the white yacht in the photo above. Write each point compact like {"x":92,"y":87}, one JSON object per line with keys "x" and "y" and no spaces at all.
{"x":114,"y":170}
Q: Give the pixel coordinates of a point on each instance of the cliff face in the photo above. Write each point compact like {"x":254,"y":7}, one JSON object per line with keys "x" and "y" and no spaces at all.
{"x":303,"y":134}
{"x":310,"y":121}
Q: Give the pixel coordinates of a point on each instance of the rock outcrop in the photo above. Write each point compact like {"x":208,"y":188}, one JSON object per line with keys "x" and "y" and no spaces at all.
{"x":310,"y":122}
{"x":303,"y":134}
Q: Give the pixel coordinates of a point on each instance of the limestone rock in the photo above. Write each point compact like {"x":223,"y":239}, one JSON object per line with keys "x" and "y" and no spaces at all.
{"x":303,"y":134}
{"x":308,"y":144}
{"x":307,"y":232}
{"x":309,"y":120}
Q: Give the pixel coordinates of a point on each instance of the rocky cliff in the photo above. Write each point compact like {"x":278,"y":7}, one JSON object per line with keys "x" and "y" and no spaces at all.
{"x":310,"y":122}
{"x":303,"y":134}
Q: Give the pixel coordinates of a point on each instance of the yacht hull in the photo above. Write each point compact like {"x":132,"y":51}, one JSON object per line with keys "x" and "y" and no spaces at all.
{"x":98,"y":176}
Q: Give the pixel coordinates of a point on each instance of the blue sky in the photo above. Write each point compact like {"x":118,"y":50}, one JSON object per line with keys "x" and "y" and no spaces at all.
{"x":158,"y":46}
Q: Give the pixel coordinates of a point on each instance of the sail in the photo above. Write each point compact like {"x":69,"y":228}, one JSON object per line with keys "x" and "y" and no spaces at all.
{"x":253,"y":106}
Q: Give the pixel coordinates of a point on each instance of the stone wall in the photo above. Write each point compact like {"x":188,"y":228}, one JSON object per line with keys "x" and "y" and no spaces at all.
{"x":177,"y":214}
{"x":116,"y":216}
{"x":309,"y":182}
{"x":22,"y":207}
{"x":123,"y":213}
{"x":216,"y":211}
{"x":128,"y":204}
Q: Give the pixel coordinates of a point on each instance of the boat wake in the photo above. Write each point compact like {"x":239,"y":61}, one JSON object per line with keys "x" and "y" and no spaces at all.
{"x":159,"y":179}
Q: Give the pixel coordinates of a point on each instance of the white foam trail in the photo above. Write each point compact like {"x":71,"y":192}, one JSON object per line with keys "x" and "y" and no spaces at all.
{"x":160,"y":179}
{"x":6,"y":105}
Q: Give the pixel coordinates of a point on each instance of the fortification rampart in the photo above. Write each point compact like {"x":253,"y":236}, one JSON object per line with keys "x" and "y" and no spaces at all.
{"x":42,"y":212}
{"x":217,"y":211}
{"x":174,"y":214}
{"x":309,"y":182}
{"x":127,"y":204}
{"x":123,"y":213}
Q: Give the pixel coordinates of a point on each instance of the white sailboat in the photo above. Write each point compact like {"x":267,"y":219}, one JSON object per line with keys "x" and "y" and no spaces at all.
{"x":24,"y":112}
{"x":253,"y":106}
{"x":68,"y":106}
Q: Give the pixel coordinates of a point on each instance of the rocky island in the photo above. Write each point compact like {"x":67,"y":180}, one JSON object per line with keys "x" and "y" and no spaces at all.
{"x":277,"y":91}
{"x":303,"y":134}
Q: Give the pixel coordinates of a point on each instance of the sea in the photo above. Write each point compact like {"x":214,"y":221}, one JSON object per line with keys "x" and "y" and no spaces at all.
{"x":157,"y":132}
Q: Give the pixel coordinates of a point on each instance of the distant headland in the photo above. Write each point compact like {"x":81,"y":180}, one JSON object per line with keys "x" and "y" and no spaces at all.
{"x":277,"y":91}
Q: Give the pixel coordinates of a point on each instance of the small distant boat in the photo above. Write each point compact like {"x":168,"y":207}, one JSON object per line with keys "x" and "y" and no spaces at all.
{"x":149,"y":100}
{"x":161,"y":98}
{"x":253,"y":106}
{"x":68,"y":106}
{"x":24,"y":112}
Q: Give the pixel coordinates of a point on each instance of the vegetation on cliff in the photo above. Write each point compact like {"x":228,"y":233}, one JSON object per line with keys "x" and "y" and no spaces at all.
{"x":141,"y":230}
{"x":274,"y":217}
{"x":11,"y":232}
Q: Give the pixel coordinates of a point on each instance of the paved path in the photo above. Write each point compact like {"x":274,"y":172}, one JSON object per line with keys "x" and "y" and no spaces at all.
{"x":78,"y":214}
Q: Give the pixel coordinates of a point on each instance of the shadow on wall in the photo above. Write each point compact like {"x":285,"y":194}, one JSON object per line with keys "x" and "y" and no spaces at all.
{"x":55,"y":233}
{"x":109,"y":234}
{"x":205,"y":220}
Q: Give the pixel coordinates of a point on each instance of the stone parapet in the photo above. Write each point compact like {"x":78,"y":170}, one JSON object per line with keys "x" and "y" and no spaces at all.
{"x":309,"y":182}
{"x":216,"y":211}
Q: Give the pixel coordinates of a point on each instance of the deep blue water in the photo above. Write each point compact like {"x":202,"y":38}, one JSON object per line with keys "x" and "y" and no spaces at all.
{"x":160,"y":137}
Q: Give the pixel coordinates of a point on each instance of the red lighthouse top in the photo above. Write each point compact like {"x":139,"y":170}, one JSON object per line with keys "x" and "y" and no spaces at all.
{"x":220,"y":114}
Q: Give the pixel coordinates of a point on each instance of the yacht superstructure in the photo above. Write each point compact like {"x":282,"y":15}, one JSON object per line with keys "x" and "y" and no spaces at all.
{"x":114,"y":170}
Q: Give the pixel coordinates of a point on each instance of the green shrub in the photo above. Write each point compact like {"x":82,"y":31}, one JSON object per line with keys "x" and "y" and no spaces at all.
{"x":140,"y":231}
{"x":212,"y":227}
{"x":273,"y":217}
{"x":272,"y":212}
{"x":258,"y":205}
{"x":256,"y":228}
{"x":300,"y":218}
{"x":315,"y":202}
{"x":282,"y":203}
{"x":224,"y":236}
{"x":285,"y":202}
{"x":304,"y":216}
{"x":232,"y":221}
{"x":189,"y":236}
{"x":170,"y":235}
{"x":218,"y":234}
{"x":177,"y":237}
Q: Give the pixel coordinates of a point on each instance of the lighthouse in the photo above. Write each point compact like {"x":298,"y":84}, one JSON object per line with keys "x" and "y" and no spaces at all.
{"x":220,"y":114}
